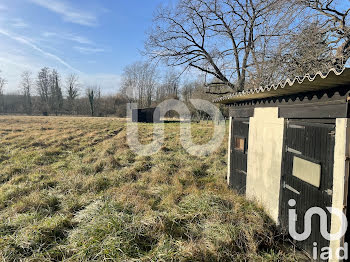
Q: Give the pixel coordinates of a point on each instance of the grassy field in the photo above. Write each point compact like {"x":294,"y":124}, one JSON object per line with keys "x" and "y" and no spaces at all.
{"x":71,"y":189}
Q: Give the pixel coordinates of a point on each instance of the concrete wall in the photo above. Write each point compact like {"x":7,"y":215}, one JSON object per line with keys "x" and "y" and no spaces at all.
{"x":265,"y":158}
{"x":340,"y":151}
{"x":265,"y":152}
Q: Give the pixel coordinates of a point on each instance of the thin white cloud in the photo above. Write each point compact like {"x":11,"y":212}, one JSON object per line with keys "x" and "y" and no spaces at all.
{"x":71,"y":37}
{"x":89,"y":50}
{"x":19,"y":23}
{"x":80,"y":39}
{"x":29,"y":43}
{"x":67,"y":12}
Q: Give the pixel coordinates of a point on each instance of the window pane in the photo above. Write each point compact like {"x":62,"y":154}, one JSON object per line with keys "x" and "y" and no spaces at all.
{"x":307,"y":171}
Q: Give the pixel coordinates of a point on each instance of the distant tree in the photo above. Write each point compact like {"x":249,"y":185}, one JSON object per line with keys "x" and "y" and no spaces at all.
{"x":172,"y":80}
{"x":187,"y":90}
{"x":334,"y":18}
{"x":170,"y":86}
{"x":83,"y":105}
{"x":56,"y":97}
{"x":91,"y":96}
{"x":94,"y":97}
{"x":308,"y":52}
{"x":3,"y":82}
{"x":72,"y":88}
{"x":109,"y":105}
{"x":120,"y":102}
{"x":13,"y":103}
{"x":26,"y":87}
{"x":139,"y":82}
{"x":98,"y":101}
{"x":43,"y":84}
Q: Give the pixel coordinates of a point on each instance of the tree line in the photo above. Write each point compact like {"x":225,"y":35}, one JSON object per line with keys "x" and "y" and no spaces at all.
{"x":48,"y":93}
{"x":147,"y":85}
{"x":143,"y":83}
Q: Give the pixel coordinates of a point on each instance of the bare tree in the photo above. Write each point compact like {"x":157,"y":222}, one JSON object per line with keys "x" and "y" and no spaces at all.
{"x":319,"y":40}
{"x":187,"y":91}
{"x":26,"y":88}
{"x":72,"y":88}
{"x":3,"y":82}
{"x":306,"y":50}
{"x":56,"y":97}
{"x":139,"y":81}
{"x":217,"y":37}
{"x":120,"y":103}
{"x":169,"y":87}
{"x":334,"y":19}
{"x":172,"y":83}
{"x":43,"y":88}
{"x":98,"y":101}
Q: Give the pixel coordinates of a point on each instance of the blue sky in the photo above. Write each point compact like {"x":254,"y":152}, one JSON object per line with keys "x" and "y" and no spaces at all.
{"x":93,"y":38}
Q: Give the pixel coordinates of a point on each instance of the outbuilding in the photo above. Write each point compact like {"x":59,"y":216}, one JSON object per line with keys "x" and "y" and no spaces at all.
{"x":291,"y":141}
{"x":146,"y":115}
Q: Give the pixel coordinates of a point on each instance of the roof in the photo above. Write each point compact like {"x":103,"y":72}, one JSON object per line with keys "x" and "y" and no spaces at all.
{"x":307,"y":83}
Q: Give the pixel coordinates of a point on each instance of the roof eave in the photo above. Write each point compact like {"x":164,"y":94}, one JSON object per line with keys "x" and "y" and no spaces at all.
{"x":319,"y":81}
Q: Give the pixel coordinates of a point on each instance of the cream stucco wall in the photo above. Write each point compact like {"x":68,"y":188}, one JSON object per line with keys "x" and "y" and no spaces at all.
{"x":265,"y":152}
{"x":338,"y":179}
{"x":265,"y":158}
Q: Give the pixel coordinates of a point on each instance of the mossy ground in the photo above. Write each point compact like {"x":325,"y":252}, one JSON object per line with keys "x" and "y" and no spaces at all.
{"x":71,"y":189}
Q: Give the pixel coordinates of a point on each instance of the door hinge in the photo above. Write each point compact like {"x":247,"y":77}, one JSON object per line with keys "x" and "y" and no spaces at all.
{"x":291,"y":150}
{"x":241,"y":171}
{"x":296,"y":126}
{"x":290,"y":188}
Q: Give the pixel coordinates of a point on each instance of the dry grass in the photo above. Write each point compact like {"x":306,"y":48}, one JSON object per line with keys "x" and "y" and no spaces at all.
{"x":71,"y":189}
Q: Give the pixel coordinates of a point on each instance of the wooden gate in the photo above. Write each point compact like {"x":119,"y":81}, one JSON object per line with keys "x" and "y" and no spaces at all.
{"x":307,"y":176}
{"x":239,"y":151}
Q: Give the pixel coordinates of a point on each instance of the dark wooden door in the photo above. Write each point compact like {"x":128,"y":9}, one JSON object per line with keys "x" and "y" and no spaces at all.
{"x":239,"y":152}
{"x":308,"y":147}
